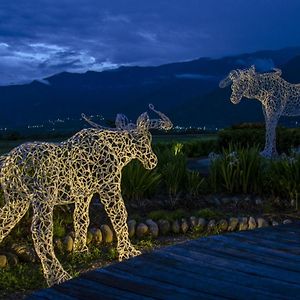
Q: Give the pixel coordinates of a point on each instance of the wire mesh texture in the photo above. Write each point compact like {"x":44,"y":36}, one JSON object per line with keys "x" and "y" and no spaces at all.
{"x":47,"y":174}
{"x":277,"y":96}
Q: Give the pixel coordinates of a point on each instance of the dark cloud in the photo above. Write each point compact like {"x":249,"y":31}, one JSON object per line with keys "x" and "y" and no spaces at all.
{"x":40,"y":38}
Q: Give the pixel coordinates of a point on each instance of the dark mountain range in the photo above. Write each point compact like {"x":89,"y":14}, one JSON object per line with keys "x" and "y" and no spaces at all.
{"x":187,"y":91}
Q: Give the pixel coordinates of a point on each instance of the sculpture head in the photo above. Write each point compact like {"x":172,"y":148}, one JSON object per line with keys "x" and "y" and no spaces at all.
{"x":142,"y":139}
{"x":140,"y":145}
{"x":142,"y":148}
{"x":240,"y":81}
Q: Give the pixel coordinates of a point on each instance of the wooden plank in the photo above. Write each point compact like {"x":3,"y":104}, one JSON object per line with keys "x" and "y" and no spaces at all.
{"x":232,"y":247}
{"x":281,"y":236}
{"x":227,"y":272}
{"x":81,"y":288}
{"x":235,"y":254}
{"x":49,"y":294}
{"x":272,"y":244}
{"x":242,"y":265}
{"x":242,"y":243}
{"x":137,"y":284}
{"x":269,"y":235}
{"x":177,"y":280}
{"x":251,"y":239}
{"x":290,"y":230}
{"x":205,"y":278}
{"x":292,"y":227}
{"x":256,"y":264}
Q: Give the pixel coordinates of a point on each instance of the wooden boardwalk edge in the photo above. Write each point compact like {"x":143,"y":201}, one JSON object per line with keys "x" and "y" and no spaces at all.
{"x":255,"y":264}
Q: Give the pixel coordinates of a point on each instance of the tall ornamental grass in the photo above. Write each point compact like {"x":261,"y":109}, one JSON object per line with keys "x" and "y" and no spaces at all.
{"x":284,"y":178}
{"x":237,"y":170}
{"x":139,"y":183}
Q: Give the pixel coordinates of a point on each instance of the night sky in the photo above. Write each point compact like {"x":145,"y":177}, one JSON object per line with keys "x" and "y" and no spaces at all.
{"x":39,"y":38}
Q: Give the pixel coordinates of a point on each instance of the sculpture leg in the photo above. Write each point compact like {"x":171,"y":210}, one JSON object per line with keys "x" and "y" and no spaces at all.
{"x":81,"y":223}
{"x":10,"y":215}
{"x":270,"y":138}
{"x":42,"y":235}
{"x":116,"y":210}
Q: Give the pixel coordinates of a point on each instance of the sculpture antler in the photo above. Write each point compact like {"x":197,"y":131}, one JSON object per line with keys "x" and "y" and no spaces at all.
{"x":122,"y":122}
{"x":93,"y":124}
{"x":162,"y":123}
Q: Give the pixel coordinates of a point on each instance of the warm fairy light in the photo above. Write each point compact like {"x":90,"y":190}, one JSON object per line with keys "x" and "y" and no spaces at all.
{"x":46,"y":174}
{"x":278,"y":98}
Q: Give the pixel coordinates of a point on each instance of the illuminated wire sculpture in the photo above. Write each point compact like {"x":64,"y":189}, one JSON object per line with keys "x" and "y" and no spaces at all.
{"x":46,"y":174}
{"x":277,"y":96}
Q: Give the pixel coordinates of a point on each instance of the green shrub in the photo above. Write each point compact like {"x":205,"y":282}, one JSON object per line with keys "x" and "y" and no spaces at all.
{"x":190,"y":148}
{"x":200,"y":148}
{"x":243,"y":137}
{"x":237,"y":171}
{"x":21,"y":277}
{"x":194,"y":183}
{"x":172,"y":167}
{"x":208,"y":213}
{"x":137,"y":182}
{"x":249,"y":136}
{"x":159,"y":215}
{"x":167,"y":215}
{"x":284,"y":178}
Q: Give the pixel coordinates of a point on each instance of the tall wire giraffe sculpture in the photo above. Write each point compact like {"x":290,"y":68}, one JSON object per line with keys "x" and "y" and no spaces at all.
{"x":46,"y":174}
{"x":277,"y":96}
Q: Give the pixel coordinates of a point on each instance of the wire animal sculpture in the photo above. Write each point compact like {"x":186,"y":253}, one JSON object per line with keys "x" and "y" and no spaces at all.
{"x":277,"y":96}
{"x":46,"y":174}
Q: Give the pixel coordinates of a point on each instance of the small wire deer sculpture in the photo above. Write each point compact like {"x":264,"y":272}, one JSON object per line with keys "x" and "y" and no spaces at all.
{"x":277,"y":96}
{"x":43,"y":175}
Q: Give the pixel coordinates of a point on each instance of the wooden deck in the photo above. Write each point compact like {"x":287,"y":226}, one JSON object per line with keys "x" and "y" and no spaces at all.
{"x":257,"y":264}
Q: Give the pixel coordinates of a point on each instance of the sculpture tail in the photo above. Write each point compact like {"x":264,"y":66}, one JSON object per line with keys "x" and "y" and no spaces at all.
{"x":10,"y":214}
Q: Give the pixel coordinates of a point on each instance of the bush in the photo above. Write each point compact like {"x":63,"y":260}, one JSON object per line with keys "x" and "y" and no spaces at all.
{"x":208,"y":214}
{"x":200,"y":148}
{"x":287,"y":138}
{"x":194,"y":183}
{"x":193,"y":148}
{"x":21,"y":277}
{"x":284,"y":178}
{"x":137,"y":182}
{"x":172,"y":166}
{"x":167,"y":215}
{"x":242,"y":137}
{"x":237,"y":171}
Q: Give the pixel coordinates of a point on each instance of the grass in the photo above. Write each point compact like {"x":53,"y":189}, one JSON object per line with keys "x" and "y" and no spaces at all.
{"x":208,"y":213}
{"x":27,"y":277}
{"x":21,"y":277}
{"x":167,"y":215}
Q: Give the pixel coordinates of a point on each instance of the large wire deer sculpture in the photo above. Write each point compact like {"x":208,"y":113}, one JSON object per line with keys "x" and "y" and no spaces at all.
{"x":277,"y":96}
{"x":46,"y":174}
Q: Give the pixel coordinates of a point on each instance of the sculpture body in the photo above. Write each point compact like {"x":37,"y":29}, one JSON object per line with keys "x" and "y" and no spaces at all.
{"x":45,"y":174}
{"x":277,"y":96}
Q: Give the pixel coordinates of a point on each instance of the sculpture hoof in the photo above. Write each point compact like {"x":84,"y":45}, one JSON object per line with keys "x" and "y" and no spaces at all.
{"x":128,"y":254}
{"x":59,"y":278}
